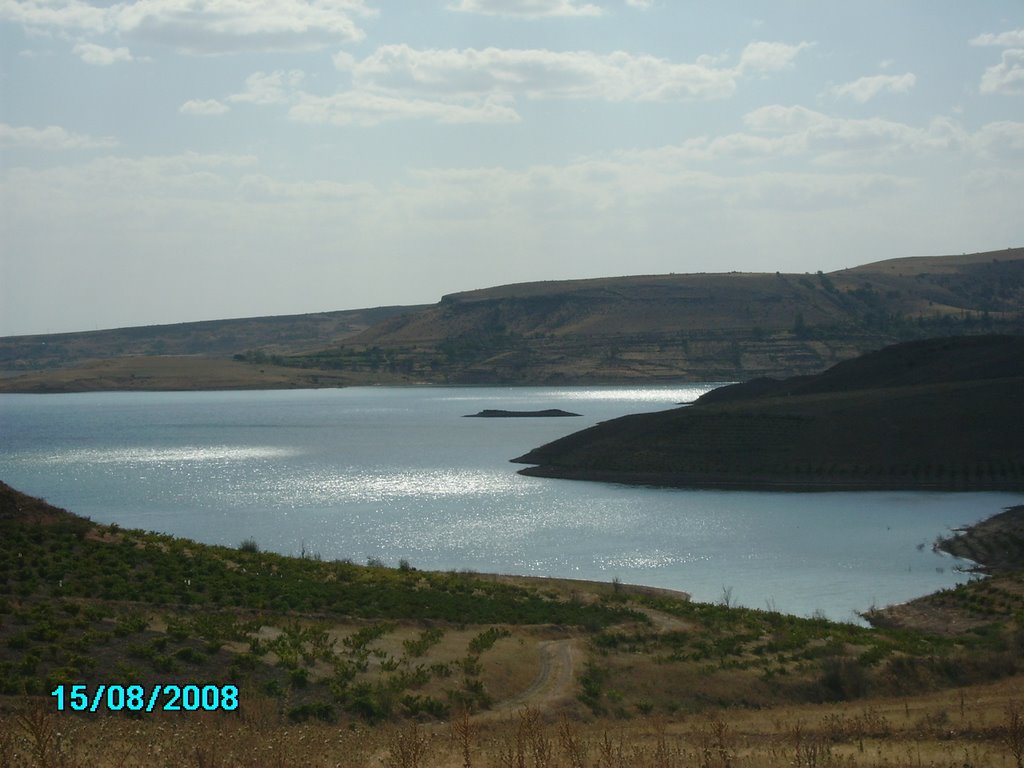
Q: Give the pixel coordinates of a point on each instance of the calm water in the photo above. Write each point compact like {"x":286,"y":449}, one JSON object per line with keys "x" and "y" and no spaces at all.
{"x":392,"y":473}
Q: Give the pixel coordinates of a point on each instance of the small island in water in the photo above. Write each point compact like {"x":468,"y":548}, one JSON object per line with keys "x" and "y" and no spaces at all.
{"x":491,"y":413}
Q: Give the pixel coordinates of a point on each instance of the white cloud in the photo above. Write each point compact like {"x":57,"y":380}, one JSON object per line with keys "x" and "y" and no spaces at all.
{"x":203,"y":26}
{"x":776,"y":118}
{"x":834,"y":140}
{"x":866,"y":88}
{"x":188,"y":176}
{"x":398,"y":82}
{"x":767,"y":57}
{"x":203,"y":107}
{"x":59,"y":14}
{"x":91,"y":53}
{"x":536,"y":73}
{"x":1002,"y":140}
{"x":364,"y":108}
{"x":1007,"y":77}
{"x":1011,"y":39}
{"x":262,"y":188}
{"x":49,"y":138}
{"x":273,"y":88}
{"x":529,"y":9}
{"x":640,"y":3}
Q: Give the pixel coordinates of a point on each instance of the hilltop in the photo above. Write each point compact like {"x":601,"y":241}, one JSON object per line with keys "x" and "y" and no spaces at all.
{"x":696,"y":327}
{"x":677,"y":327}
{"x":933,"y":414}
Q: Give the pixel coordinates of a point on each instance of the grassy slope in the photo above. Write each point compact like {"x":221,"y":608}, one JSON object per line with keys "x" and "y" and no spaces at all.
{"x":931,"y":414}
{"x":650,"y":679}
{"x":710,"y":327}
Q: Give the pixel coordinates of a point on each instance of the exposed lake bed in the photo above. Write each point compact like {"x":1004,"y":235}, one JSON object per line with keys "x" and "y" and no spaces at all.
{"x":396,"y":473}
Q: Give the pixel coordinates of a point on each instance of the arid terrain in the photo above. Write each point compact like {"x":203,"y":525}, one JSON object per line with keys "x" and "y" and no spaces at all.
{"x":685,"y":327}
{"x":338,"y":664}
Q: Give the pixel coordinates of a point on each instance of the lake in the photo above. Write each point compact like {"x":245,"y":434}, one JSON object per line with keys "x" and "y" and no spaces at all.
{"x":396,"y":473}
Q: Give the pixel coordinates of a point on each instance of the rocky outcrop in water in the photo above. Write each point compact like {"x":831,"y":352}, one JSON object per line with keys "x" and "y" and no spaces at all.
{"x":489,"y":413}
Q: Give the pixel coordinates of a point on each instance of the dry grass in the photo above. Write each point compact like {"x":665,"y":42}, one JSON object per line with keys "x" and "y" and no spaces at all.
{"x":980,"y":727}
{"x":169,"y":373}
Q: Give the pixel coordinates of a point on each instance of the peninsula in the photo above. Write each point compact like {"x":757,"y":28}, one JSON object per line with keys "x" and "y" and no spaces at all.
{"x":938,"y":414}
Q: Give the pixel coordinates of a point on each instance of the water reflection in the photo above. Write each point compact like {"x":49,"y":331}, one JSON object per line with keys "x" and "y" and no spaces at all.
{"x":398,"y":473}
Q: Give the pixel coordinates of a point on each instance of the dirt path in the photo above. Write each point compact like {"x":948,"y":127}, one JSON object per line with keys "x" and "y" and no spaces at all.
{"x":554,"y":681}
{"x":665,"y":622}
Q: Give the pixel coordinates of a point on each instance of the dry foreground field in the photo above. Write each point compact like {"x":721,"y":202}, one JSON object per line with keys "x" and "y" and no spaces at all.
{"x":338,"y":664}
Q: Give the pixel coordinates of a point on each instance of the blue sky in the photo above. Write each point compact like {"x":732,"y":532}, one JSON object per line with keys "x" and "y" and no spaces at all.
{"x":172,"y":160}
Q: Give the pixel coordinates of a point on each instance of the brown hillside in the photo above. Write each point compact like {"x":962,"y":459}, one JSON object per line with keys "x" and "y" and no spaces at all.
{"x":693,"y":327}
{"x":700,"y":327}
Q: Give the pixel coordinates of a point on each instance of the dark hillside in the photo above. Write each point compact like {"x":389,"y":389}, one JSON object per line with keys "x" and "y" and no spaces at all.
{"x":908,"y":417}
{"x":929,"y":361}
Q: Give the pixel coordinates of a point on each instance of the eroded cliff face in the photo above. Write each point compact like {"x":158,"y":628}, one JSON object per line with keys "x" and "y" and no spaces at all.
{"x":705,"y":327}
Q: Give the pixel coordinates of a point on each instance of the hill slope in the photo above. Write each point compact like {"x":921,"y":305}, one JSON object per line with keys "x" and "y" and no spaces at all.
{"x":702,"y":327}
{"x":699,"y":327}
{"x":209,"y":338}
{"x":942,"y":413}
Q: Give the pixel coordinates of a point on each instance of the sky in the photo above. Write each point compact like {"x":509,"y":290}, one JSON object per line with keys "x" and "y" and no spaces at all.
{"x":165,"y":161}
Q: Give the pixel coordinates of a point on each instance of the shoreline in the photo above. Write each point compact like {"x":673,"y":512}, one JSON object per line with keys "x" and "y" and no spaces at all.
{"x":995,"y":544}
{"x":760,"y":483}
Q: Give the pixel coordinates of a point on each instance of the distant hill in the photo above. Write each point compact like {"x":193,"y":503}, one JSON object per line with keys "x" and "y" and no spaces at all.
{"x":696,"y":327}
{"x":704,"y":327}
{"x":940,"y":413}
{"x":210,"y":338}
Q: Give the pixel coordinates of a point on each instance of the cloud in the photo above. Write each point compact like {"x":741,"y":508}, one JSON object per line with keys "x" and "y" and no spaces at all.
{"x":1007,"y":77}
{"x":1012,"y":39}
{"x":262,"y":188}
{"x":59,"y":14}
{"x":786,"y":135}
{"x":203,"y":26}
{"x":644,"y":4}
{"x":538,"y":73}
{"x":835,"y":140}
{"x":399,"y":82}
{"x":364,"y":108}
{"x":203,"y":107}
{"x":764,"y":57}
{"x":864,"y":89}
{"x":273,"y":88}
{"x":526,"y":9}
{"x":1002,"y":140}
{"x":49,"y":138}
{"x":99,"y":55}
